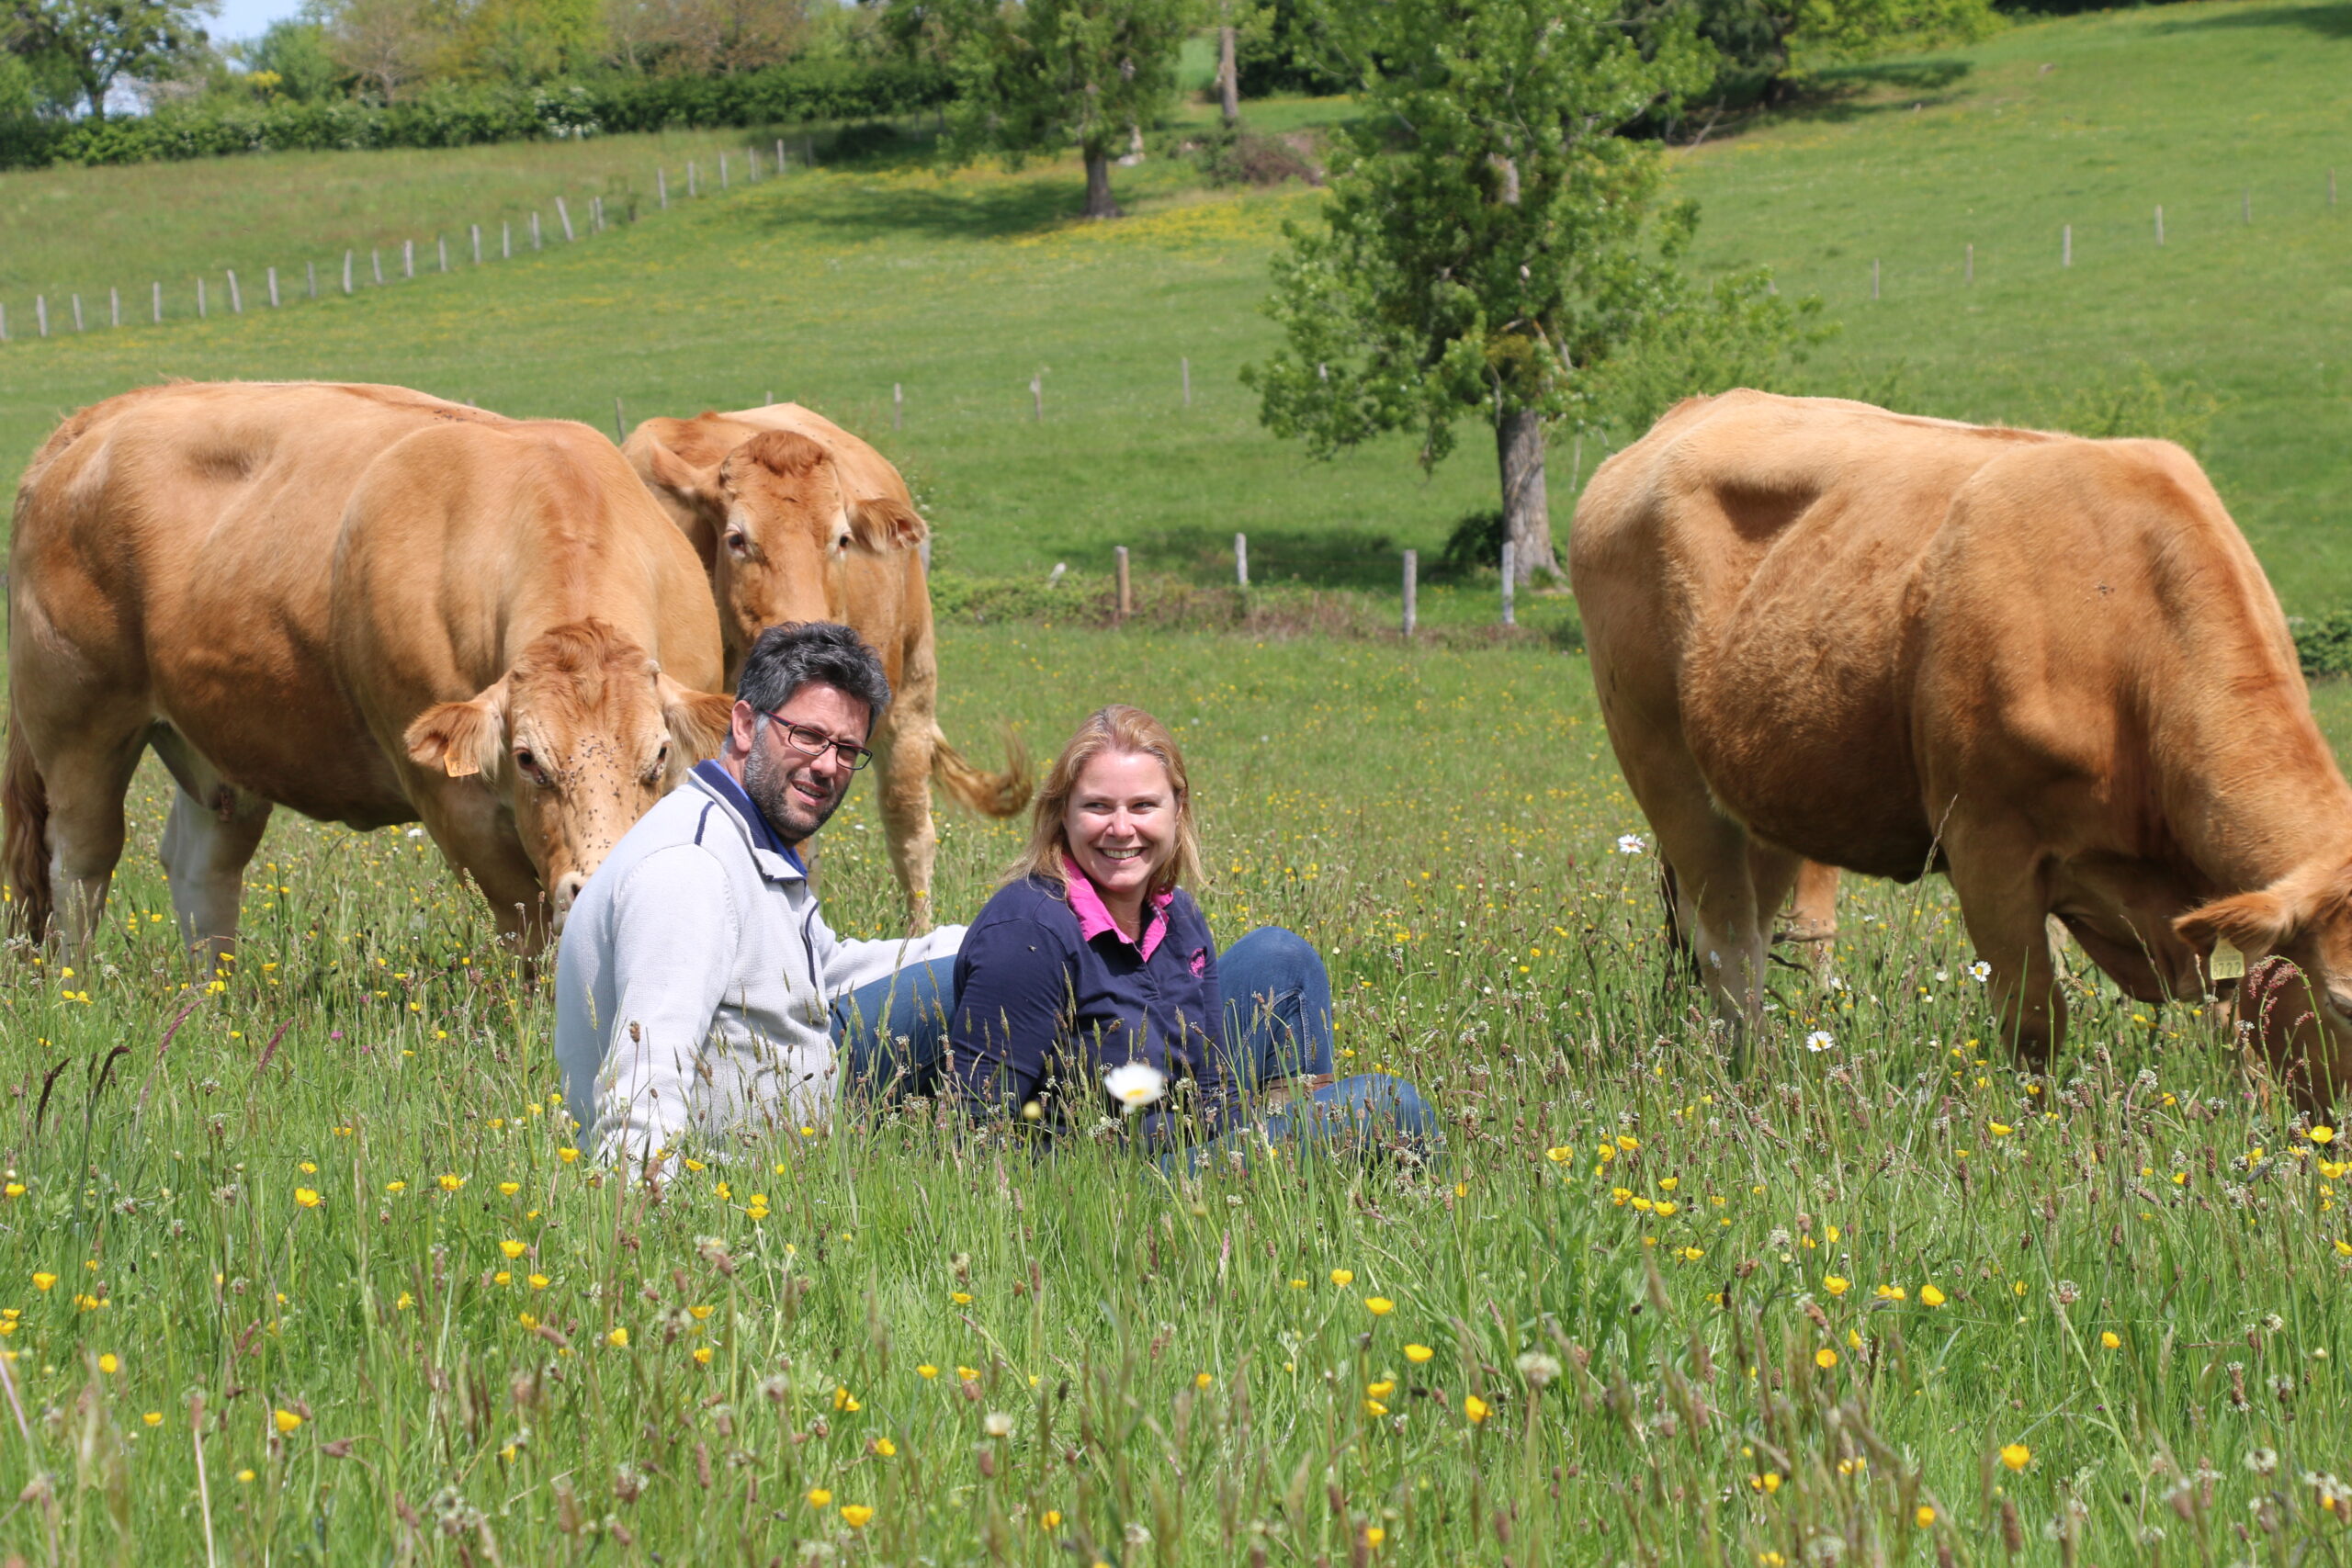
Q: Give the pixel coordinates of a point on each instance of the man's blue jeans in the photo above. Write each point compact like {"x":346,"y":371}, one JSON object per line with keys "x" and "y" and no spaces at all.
{"x":892,"y":1036}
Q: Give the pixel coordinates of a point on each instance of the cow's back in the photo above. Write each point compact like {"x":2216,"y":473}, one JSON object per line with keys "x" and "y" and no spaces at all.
{"x":179,"y":541}
{"x":1747,"y":574}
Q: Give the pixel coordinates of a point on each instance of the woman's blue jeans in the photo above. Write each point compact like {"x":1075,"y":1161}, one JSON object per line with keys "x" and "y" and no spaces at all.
{"x":892,"y":1036}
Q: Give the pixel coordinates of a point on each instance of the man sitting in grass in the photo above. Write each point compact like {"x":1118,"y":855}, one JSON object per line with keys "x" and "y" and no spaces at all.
{"x":696,"y":980}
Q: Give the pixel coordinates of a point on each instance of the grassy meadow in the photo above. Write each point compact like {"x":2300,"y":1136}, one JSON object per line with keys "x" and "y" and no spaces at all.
{"x":298,"y":1263}
{"x":316,"y":1229}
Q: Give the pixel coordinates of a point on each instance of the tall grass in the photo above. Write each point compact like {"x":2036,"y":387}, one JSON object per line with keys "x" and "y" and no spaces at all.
{"x":298,"y":1263}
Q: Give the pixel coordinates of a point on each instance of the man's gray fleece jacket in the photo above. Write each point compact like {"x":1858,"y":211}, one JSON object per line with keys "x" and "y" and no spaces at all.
{"x":695,"y":982}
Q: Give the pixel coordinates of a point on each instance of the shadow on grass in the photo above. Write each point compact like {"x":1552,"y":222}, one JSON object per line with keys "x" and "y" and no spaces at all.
{"x":1854,"y":92}
{"x":2327,"y":21}
{"x":958,"y":211}
{"x":1349,"y":558}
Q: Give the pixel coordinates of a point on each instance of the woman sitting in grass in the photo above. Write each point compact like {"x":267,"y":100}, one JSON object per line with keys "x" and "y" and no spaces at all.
{"x":1089,"y":987}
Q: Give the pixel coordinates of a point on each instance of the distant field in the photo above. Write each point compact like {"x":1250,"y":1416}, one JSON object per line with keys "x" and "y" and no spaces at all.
{"x":833,"y":286}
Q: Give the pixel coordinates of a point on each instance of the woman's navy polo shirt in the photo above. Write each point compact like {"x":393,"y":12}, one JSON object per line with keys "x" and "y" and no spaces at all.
{"x":1047,"y":986}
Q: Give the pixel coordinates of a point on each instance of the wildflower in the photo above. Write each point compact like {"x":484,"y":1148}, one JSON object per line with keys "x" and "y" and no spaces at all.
{"x":286,"y":1421}
{"x":395,"y":1187}
{"x":513,"y":1249}
{"x":702,"y":1355}
{"x":927,"y":1370}
{"x":1379,"y":1306}
{"x":307,"y":1168}
{"x":1666,"y":1210}
{"x":1373,"y":1535}
{"x":307,"y":1198}
{"x":1925,"y":1516}
{"x":2000,"y":1129}
{"x":451,"y":1183}
{"x":886,"y":1447}
{"x":244,"y":1478}
{"x":1202,"y":1380}
{"x":2322,"y":1134}
{"x":857,"y":1516}
{"x":1825,"y":1357}
{"x":1820,"y":1040}
{"x":1051,"y":1520}
{"x":1538,"y":1369}
{"x":617,"y":1338}
{"x":1931,"y":1296}
{"x":567,"y":1154}
{"x":15,"y":1190}
{"x":108,"y":1364}
{"x":43,"y":1281}
{"x":967,"y":1374}
{"x":508,"y":1189}
{"x":404,"y":1302}
{"x":1892,"y":1294}
{"x":2111,"y":1339}
{"x":1382,"y":1389}
{"x":1298,"y":1284}
{"x":153,"y":1418}
{"x":1560,"y":1155}
{"x":1981,"y":970}
{"x":998,"y":1423}
{"x":2016,"y":1456}
{"x":1475,"y":1408}
{"x":1627,"y":1142}
{"x":819,"y":1498}
{"x":1417,"y":1354}
{"x":539,"y":1281}
{"x":1630,"y":844}
{"x":1769,"y":1482}
{"x":961,"y":1298}
{"x":1835,"y":1285}
{"x":1135,"y":1084}
{"x":1343,"y":1278}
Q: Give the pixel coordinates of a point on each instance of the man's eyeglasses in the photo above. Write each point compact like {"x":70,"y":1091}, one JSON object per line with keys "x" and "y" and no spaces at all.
{"x":816,"y":742}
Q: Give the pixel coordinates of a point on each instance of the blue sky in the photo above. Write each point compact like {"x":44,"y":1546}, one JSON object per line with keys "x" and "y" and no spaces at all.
{"x":249,"y":18}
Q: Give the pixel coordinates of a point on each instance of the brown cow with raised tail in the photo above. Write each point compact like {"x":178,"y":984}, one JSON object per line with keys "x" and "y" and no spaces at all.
{"x":798,"y":520}
{"x":2048,"y":667}
{"x":362,"y":602}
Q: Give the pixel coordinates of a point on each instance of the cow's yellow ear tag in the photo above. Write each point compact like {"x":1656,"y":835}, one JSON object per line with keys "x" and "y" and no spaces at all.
{"x":2228,"y":962}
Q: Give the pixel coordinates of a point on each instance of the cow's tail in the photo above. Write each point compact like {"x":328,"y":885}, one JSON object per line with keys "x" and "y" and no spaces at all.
{"x":24,"y":801}
{"x":991,"y":795}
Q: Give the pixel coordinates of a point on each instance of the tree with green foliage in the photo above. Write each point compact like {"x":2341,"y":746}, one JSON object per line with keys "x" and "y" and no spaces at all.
{"x":1039,"y":75}
{"x":1772,"y":47}
{"x":1491,"y":247}
{"x":94,"y":44}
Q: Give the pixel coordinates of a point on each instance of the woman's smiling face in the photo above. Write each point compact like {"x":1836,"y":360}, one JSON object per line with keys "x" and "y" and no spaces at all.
{"x":1120,"y":823}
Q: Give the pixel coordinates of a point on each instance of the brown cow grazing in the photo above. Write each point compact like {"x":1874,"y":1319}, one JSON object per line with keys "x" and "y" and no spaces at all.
{"x":361,"y":602}
{"x":798,"y":520}
{"x":2049,"y":666}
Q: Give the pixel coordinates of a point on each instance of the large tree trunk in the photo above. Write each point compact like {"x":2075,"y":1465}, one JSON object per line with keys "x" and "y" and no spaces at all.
{"x":1228,"y":76}
{"x":1098,"y":201}
{"x":1527,"y":519}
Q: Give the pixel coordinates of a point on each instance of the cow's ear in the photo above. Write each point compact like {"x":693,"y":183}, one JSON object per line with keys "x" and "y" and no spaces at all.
{"x":2255,"y":923}
{"x":672,"y":474}
{"x":880,"y":525}
{"x":697,"y":721}
{"x":461,"y":738}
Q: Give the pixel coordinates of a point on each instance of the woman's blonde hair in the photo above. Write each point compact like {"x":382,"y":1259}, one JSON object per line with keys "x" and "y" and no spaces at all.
{"x":1127,"y":731}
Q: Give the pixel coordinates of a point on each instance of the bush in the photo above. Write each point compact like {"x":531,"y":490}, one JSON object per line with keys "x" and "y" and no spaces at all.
{"x":450,"y":115}
{"x":2324,"y":643}
{"x":1233,"y":156}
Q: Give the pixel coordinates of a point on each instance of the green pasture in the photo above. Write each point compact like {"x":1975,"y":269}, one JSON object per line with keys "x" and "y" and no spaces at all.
{"x":830,"y":287}
{"x":316,"y":1228}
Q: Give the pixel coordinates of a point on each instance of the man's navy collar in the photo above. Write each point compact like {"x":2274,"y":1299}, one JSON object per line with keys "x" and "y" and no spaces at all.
{"x":764,"y":834}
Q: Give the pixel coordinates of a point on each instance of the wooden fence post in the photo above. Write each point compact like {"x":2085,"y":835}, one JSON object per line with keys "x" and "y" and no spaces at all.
{"x":897,"y":406}
{"x":694,"y":181}
{"x":77,"y":314}
{"x":4,"y":322}
{"x":2160,"y":223}
{"x":1126,"y":591}
{"x":662,"y":187}
{"x":506,"y":240}
{"x":722,"y":171}
{"x":620,"y":424}
{"x":779,"y":156}
{"x":273,"y":289}
{"x":159,"y":304}
{"x":346,"y":271}
{"x":236,"y":299}
{"x":475,"y":229}
{"x":376,"y":263}
{"x":408,"y":258}
{"x":595,"y":215}
{"x":441,"y":247}
{"x":1510,"y":583}
{"x":201,"y":311}
{"x":2066,"y":244}
{"x":1413,"y":590}
{"x":563,"y":216}
{"x":1241,"y":559}
{"x":1037,"y":400}
{"x":311,"y":272}
{"x":114,"y":306}
{"x":1186,"y":363}
{"x":2245,"y":207}
{"x":535,"y":228}
{"x":1873,"y":277}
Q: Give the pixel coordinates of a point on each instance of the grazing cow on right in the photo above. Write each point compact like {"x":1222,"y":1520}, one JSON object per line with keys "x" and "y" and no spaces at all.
{"x":2048,"y":667}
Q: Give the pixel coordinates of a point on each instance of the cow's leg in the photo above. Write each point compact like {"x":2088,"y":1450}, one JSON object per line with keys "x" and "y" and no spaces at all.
{"x":1717,"y":907}
{"x":904,"y":766}
{"x":2006,"y":908}
{"x":1812,"y":924}
{"x":86,"y":774}
{"x":208,"y":839}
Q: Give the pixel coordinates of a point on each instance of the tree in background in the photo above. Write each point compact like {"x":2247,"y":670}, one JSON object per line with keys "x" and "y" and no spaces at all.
{"x":1491,"y":247}
{"x":525,"y":40}
{"x":388,"y":45}
{"x":294,"y":53}
{"x":1772,"y":47}
{"x":94,"y":44}
{"x":705,"y":37}
{"x":1040,"y":75}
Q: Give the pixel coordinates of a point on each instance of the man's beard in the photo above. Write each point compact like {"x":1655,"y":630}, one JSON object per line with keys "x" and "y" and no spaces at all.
{"x":769,"y":784}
